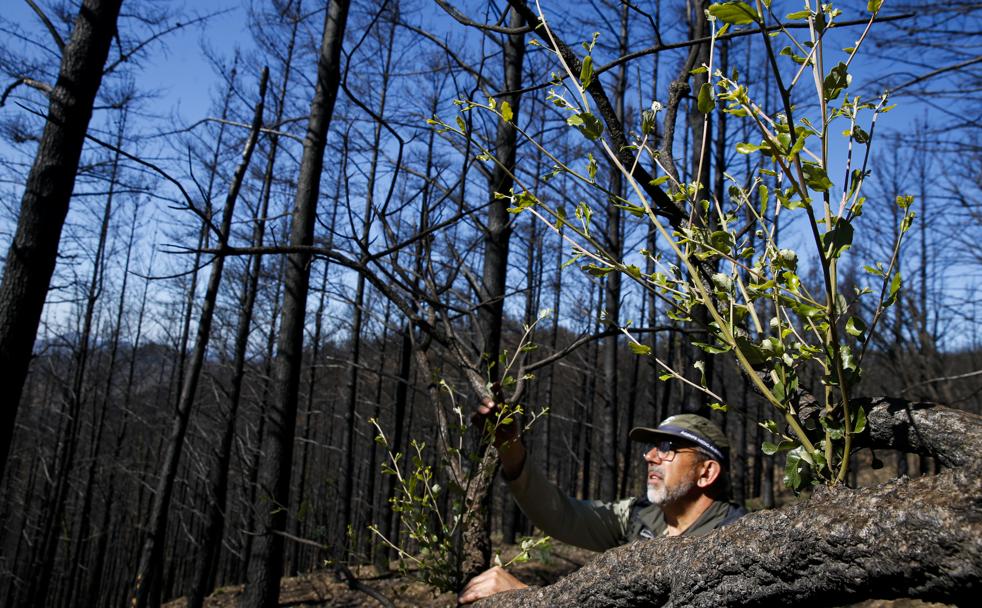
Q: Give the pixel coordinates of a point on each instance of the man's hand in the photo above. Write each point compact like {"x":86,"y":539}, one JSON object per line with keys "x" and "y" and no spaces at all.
{"x":488,"y":413}
{"x":507,"y":437}
{"x":487,"y":584}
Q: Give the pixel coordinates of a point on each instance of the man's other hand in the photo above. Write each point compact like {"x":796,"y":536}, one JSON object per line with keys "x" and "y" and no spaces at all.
{"x":507,"y":437}
{"x":487,"y":584}
{"x":488,"y":412}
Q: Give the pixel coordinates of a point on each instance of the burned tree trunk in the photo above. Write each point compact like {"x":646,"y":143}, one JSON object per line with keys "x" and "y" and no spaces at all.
{"x":477,"y":532}
{"x":266,"y":561}
{"x":34,"y":250}
{"x":919,"y":538}
{"x":146,"y":585}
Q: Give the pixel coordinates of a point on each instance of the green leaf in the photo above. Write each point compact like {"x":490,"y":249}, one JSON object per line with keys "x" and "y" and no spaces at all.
{"x":773,"y":448}
{"x":753,"y":353}
{"x":836,"y":80}
{"x":839,"y":239}
{"x":746,"y":148}
{"x":705,"y":101}
{"x":815,"y":176}
{"x":648,"y":122}
{"x":588,"y":124}
{"x":876,"y":271}
{"x":506,"y":112}
{"x":737,"y":13}
{"x":598,"y":271}
{"x":522,"y":201}
{"x":798,"y":15}
{"x":711,"y":349}
{"x":802,"y":134}
{"x":895,"y":285}
{"x":764,"y":195}
{"x":794,"y":56}
{"x":576,"y":258}
{"x":907,"y":221}
{"x":584,"y":213}
{"x":722,"y":241}
{"x":855,"y":326}
{"x":860,"y":135}
{"x":639,"y":349}
{"x":873,"y":6}
{"x":586,"y":71}
{"x":792,"y":476}
{"x":860,"y":424}
{"x":591,"y":166}
{"x":659,"y":180}
{"x":634,"y":210}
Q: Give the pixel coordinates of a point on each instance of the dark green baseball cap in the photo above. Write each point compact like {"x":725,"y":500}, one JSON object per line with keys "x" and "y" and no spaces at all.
{"x":692,"y":428}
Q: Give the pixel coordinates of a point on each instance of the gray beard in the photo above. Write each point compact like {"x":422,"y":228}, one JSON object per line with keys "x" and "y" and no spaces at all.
{"x":663,"y":495}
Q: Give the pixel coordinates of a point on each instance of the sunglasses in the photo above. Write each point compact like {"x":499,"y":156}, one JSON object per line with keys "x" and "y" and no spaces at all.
{"x":665,"y":449}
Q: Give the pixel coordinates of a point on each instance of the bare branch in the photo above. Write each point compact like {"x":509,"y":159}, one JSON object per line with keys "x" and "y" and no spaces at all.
{"x":929,"y":75}
{"x":37,"y":84}
{"x":59,"y":41}
{"x":463,"y":19}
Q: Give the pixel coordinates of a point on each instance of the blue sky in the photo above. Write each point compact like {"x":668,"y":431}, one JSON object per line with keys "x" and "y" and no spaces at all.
{"x":181,"y":74}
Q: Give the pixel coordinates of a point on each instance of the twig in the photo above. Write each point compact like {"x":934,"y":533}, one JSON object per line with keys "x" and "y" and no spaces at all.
{"x":37,"y":84}
{"x":341,"y":571}
{"x":942,"y":379}
{"x":47,"y":23}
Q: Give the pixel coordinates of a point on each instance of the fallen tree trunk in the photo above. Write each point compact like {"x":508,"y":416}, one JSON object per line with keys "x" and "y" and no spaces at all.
{"x":917,"y":538}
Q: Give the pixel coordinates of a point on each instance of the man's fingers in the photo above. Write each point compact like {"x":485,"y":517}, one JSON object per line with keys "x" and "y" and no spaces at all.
{"x":486,"y":407}
{"x":488,"y":583}
{"x":483,"y":585}
{"x":478,"y":587}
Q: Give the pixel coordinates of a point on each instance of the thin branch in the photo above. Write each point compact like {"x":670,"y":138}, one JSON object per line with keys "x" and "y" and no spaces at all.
{"x":461,"y":18}
{"x":47,"y":23}
{"x":341,"y":571}
{"x":931,"y":74}
{"x":124,"y":57}
{"x":37,"y":84}
{"x":942,"y":379}
{"x":664,"y":205}
{"x":583,"y":340}
{"x":232,"y":123}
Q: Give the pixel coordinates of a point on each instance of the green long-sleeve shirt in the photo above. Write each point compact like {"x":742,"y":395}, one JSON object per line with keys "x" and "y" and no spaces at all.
{"x":599,"y":525}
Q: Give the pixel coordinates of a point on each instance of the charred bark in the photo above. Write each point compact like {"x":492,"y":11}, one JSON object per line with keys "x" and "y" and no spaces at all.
{"x":266,"y":561}
{"x":477,"y":532}
{"x":31,"y":259}
{"x":919,"y":538}
{"x":145,"y":585}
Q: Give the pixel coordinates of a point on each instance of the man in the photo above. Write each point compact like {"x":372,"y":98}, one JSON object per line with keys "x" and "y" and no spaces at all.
{"x":687,"y":457}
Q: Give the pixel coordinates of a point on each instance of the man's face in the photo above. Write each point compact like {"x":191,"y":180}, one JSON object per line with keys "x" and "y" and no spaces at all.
{"x":670,"y":482}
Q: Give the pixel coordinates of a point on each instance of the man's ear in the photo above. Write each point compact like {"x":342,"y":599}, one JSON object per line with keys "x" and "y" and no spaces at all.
{"x":709,"y":472}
